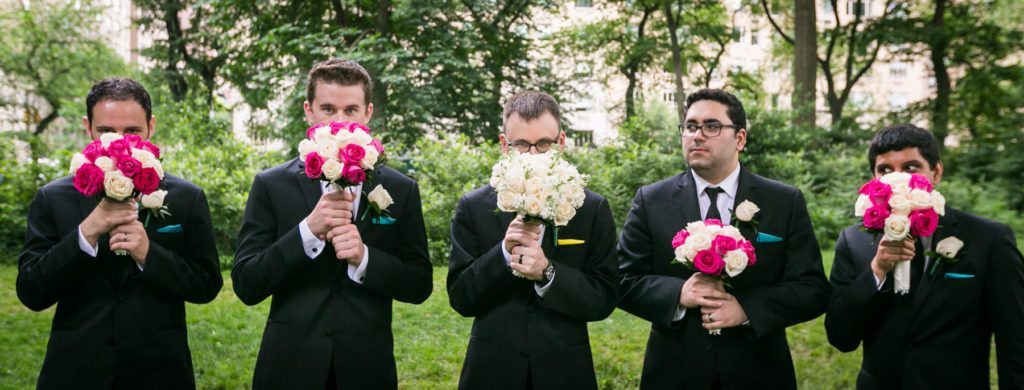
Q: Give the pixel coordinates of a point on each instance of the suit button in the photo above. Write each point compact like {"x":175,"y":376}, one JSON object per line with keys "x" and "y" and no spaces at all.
{"x":329,"y":332}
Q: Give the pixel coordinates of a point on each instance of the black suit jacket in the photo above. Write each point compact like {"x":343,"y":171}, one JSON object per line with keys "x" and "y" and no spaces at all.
{"x":116,"y":326}
{"x":786,"y":286}
{"x":518,"y":336}
{"x":938,"y":335}
{"x":317,"y":312}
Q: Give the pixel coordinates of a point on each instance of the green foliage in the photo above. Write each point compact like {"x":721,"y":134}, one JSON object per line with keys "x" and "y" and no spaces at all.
{"x":20,"y":178}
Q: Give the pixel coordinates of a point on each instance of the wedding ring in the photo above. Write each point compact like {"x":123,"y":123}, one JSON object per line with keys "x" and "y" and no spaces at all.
{"x":710,"y":319}
{"x":125,"y":238}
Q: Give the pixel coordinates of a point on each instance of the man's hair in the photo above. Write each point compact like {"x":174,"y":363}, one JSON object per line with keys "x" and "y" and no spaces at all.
{"x":899,"y":137}
{"x":530,"y":105}
{"x":118,"y":89}
{"x":734,"y":108}
{"x":341,"y":72}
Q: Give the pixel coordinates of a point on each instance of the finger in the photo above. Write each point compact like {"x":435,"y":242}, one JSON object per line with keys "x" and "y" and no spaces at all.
{"x":717,"y":324}
{"x":711,"y":304}
{"x":333,"y":196}
{"x":518,"y":267}
{"x":713,"y":294}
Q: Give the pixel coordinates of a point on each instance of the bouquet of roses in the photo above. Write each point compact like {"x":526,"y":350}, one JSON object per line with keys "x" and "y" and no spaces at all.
{"x":713,"y":249}
{"x":120,"y":168}
{"x":542,"y":188}
{"x":342,"y":153}
{"x":899,"y":206}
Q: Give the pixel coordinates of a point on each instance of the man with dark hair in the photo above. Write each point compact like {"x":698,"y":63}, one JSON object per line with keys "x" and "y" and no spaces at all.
{"x":333,"y":274}
{"x":787,"y":286}
{"x":939,"y":334}
{"x":530,"y":332}
{"x":120,"y":320}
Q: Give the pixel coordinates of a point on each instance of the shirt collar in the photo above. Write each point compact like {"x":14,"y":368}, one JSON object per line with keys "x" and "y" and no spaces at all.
{"x":730,"y":184}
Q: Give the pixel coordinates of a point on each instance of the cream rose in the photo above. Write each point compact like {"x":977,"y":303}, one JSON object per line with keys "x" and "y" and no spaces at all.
{"x":534,"y":186}
{"x":533,"y":205}
{"x":306,"y":146}
{"x":900,"y":204}
{"x":332,"y":169}
{"x":897,"y":227}
{"x":360,"y":137}
{"x":117,"y":186}
{"x":939,"y":203}
{"x":731,"y":232}
{"x":105,"y":163}
{"x":746,"y":210}
{"x":154,"y":200}
{"x":157,"y":165}
{"x":77,"y":161}
{"x":862,"y":206}
{"x":507,"y":201}
{"x":949,"y":247}
{"x":343,"y":137}
{"x":107,"y":138}
{"x":735,"y":262}
{"x":680,"y":252}
{"x":563,"y":213}
{"x":920,"y":199}
{"x":696,"y":227}
{"x":699,"y":241}
{"x":896,"y":178}
{"x":380,"y":197}
{"x":327,"y":150}
{"x":322,"y":133}
{"x":371,"y":157}
{"x":143,"y":156}
{"x":514,"y":179}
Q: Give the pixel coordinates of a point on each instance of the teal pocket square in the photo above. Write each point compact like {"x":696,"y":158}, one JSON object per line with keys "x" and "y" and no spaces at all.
{"x":170,"y":229}
{"x":954,"y":275}
{"x":384,"y":221}
{"x":765,"y":237}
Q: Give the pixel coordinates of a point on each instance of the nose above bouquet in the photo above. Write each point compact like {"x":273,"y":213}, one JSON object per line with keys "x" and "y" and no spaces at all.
{"x":342,"y":153}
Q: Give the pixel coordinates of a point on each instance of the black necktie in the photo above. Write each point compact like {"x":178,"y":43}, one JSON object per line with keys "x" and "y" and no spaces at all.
{"x":713,"y":206}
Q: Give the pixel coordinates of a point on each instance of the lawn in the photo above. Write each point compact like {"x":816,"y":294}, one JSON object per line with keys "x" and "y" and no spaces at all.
{"x":430,"y":340}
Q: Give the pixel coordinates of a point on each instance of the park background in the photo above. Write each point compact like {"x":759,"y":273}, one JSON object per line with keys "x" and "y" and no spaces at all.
{"x":818,"y":78}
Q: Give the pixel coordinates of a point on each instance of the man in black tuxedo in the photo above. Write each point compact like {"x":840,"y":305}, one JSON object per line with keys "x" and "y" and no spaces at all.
{"x":331,"y":262}
{"x":787,"y":286}
{"x":938,"y":335}
{"x":120,"y":320}
{"x":530,"y":332}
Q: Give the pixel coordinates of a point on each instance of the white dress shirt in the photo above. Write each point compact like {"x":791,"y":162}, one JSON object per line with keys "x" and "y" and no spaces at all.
{"x":313,"y":245}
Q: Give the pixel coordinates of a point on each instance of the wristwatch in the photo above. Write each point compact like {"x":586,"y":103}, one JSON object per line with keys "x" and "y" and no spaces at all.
{"x":549,"y":273}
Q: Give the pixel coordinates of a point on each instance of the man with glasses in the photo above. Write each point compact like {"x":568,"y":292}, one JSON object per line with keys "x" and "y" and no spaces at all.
{"x":785,"y":287}
{"x":530,"y":332}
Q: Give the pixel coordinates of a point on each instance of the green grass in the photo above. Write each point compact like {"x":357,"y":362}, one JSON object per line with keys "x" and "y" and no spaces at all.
{"x":430,"y":340}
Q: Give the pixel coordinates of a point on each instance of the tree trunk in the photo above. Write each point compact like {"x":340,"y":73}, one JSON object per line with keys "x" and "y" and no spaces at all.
{"x":939,"y":43}
{"x":175,"y":48}
{"x":677,"y":61}
{"x":805,"y":64}
{"x":633,"y":67}
{"x":43,"y":124}
{"x":380,"y":88}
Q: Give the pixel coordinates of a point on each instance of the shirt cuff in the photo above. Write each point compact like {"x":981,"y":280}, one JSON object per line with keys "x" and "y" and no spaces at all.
{"x":84,"y":244}
{"x":311,"y":244}
{"x":504,"y":252}
{"x":680,"y":313}
{"x":358,"y":273}
{"x":541,"y":290}
{"x":141,"y":267}
{"x":878,"y":283}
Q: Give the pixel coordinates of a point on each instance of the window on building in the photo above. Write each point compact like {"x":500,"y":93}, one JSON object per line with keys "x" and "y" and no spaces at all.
{"x":582,"y":138}
{"x":856,"y":7}
{"x":584,"y":3}
{"x":897,"y":70}
{"x":753,"y":36}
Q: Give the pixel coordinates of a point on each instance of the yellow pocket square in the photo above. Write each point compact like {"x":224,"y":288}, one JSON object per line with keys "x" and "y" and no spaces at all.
{"x":570,"y":241}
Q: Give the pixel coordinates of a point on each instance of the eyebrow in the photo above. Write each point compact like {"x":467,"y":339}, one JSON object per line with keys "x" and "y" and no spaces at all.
{"x":706,"y":121}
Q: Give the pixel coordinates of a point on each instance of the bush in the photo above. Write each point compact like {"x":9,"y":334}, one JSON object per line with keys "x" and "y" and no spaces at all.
{"x":20,"y":178}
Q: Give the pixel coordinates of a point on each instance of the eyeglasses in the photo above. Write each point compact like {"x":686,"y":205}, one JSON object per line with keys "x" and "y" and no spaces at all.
{"x":712,"y":129}
{"x":524,"y":147}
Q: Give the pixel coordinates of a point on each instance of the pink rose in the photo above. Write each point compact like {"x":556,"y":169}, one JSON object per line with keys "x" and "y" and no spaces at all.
{"x":878,"y":192}
{"x":147,"y":181}
{"x":311,"y":131}
{"x":94,"y":150}
{"x":376,"y":144}
{"x":89,"y":179}
{"x":148,"y":146}
{"x":723,"y":244}
{"x":713,"y":222}
{"x":129,"y":166}
{"x":919,"y":182}
{"x":353,"y":154}
{"x":133,"y":140}
{"x":353,"y":174}
{"x":748,"y":248}
{"x":923,"y":222}
{"x":680,"y":238}
{"x":360,"y":127}
{"x":314,"y":165}
{"x":874,"y":217}
{"x":119,"y":148}
{"x":339,"y":126}
{"x":709,"y":263}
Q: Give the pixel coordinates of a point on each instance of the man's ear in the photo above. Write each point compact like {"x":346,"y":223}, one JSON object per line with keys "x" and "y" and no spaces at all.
{"x":741,"y":140}
{"x":87,"y":126}
{"x":503,"y":140}
{"x":308,"y":110}
{"x":938,"y":172}
{"x":369,"y":112}
{"x":152,"y":127}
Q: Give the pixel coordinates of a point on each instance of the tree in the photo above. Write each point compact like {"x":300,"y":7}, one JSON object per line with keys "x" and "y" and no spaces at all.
{"x":805,"y":33}
{"x":48,"y":54}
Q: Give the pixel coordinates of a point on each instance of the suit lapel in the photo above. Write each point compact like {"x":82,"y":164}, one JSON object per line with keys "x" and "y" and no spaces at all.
{"x":364,"y":204}
{"x":947,"y":228}
{"x":686,"y":192}
{"x":312,"y":190}
{"x":746,"y":189}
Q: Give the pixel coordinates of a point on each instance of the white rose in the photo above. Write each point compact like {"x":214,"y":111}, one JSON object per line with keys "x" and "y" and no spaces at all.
{"x":699,"y":241}
{"x":731,"y":232}
{"x":77,"y":161}
{"x":105,"y":163}
{"x":107,"y":138}
{"x":332,"y":169}
{"x":157,"y":165}
{"x":712,"y":230}
{"x":900,"y":204}
{"x":920,"y":199}
{"x":154,"y":200}
{"x":949,"y":247}
{"x":305,"y":147}
{"x":895,"y":178}
{"x":862,"y":206}
{"x":372,"y":155}
{"x":680,"y":252}
{"x":534,"y":186}
{"x":735,"y":262}
{"x":327,"y":150}
{"x":745,"y":211}
{"x":506,"y":201}
{"x":360,"y":137}
{"x":117,"y":186}
{"x":515,"y":180}
{"x":143,"y":156}
{"x":696,"y":227}
{"x":563,"y":213}
{"x":533,"y":206}
{"x":939,"y":203}
{"x":322,"y":133}
{"x":343,"y":137}
{"x":380,"y":197}
{"x":897,"y":227}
